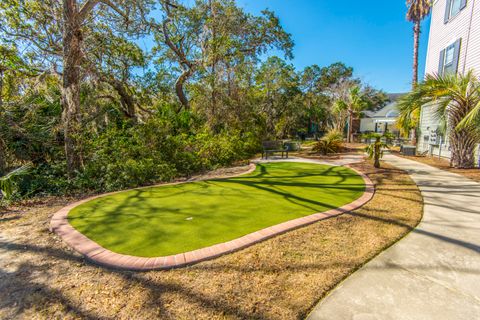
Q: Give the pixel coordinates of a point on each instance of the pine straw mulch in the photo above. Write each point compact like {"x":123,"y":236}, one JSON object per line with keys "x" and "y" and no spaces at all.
{"x":443,"y":164}
{"x":282,"y":278}
{"x":347,"y":149}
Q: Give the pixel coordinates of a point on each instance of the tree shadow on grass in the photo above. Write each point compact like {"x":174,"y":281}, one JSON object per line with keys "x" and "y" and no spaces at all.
{"x":461,"y":243}
{"x":24,"y":288}
{"x":134,"y":209}
{"x":23,"y":285}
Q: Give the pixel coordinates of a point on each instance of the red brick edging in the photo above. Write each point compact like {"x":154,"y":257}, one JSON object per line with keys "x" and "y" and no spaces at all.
{"x":99,"y":255}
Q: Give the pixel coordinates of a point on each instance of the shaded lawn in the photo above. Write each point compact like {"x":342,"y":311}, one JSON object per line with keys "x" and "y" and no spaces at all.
{"x":178,"y":218}
{"x":280,"y":278}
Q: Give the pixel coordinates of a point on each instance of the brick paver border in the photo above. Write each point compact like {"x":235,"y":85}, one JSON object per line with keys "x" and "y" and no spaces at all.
{"x":99,"y":255}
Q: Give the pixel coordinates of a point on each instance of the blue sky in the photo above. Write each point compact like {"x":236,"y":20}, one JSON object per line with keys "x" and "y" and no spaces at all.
{"x":371,"y":36}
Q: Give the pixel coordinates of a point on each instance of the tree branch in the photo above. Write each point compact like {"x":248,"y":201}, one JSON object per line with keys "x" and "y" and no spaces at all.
{"x":90,"y":4}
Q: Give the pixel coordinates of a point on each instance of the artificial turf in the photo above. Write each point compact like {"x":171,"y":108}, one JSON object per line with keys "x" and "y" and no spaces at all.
{"x":171,"y":219}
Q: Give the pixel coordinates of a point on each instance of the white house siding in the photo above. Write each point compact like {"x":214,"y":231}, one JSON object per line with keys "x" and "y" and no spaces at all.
{"x":429,"y":140}
{"x":465,"y":26}
{"x":444,"y":34}
{"x":367,"y":125}
{"x":472,"y":58}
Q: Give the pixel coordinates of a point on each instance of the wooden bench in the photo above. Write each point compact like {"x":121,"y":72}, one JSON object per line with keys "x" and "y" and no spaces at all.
{"x":270,"y":147}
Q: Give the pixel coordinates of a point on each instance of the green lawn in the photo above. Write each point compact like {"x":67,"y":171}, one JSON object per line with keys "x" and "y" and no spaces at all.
{"x":166,"y":220}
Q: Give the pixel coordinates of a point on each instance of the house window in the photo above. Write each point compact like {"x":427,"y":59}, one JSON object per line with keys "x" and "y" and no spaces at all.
{"x":449,"y":59}
{"x":453,"y":8}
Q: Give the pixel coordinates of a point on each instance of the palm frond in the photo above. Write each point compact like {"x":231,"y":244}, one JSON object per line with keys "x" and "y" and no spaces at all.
{"x":455,"y":100}
{"x":7,"y":182}
{"x":418,"y":9}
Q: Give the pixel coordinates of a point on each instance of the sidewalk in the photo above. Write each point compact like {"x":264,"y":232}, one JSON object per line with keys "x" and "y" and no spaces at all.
{"x":434,"y":273}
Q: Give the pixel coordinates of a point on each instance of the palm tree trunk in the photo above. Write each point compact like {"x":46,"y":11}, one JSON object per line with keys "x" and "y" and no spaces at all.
{"x":377,"y":153}
{"x":463,"y":145}
{"x":350,"y":123}
{"x":416,"y":45}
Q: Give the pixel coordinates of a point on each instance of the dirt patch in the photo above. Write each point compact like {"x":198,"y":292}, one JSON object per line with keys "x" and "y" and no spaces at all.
{"x":281,"y":278}
{"x":346,"y":150}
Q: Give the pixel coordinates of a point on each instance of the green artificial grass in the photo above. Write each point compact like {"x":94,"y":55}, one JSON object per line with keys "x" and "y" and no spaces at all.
{"x":171,"y":219}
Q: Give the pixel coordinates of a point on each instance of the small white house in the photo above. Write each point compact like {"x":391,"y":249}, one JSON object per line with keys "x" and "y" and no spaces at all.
{"x":380,"y":121}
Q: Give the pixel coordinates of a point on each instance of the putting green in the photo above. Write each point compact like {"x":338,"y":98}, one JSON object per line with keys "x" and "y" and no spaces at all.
{"x":171,"y":219}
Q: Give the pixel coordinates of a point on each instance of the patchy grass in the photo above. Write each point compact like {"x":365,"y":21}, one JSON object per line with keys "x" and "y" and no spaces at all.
{"x":443,"y":164}
{"x":281,"y":278}
{"x":172,"y":219}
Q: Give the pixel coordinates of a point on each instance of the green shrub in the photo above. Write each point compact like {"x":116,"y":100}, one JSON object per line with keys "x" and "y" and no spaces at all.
{"x":330,"y":143}
{"x":166,"y":146}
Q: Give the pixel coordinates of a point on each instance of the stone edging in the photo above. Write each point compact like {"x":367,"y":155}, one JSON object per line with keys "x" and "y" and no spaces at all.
{"x":99,"y":255}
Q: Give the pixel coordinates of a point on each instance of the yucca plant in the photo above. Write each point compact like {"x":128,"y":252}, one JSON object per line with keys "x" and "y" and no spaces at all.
{"x":8,"y":183}
{"x":375,"y":149}
{"x":330,"y":143}
{"x":456,"y":100}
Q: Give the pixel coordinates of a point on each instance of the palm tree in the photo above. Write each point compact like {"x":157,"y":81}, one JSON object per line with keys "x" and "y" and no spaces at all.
{"x":375,"y":148}
{"x":407,"y":120}
{"x":353,"y":104}
{"x":456,"y":102}
{"x":417,"y":11}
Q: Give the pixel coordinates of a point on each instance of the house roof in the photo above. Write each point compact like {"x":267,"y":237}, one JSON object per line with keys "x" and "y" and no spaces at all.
{"x":388,"y":111}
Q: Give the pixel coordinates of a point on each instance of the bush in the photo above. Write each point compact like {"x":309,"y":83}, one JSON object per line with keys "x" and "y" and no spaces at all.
{"x":124,"y":155}
{"x":330,"y":143}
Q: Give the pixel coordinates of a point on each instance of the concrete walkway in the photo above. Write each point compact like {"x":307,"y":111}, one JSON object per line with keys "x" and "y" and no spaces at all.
{"x":434,"y":273}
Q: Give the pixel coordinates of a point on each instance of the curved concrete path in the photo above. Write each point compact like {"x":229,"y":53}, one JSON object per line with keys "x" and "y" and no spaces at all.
{"x":434,"y":273}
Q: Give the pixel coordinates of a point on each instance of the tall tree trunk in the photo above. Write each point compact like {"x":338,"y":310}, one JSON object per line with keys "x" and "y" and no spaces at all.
{"x":1,"y":89}
{"x":179,"y":88}
{"x":214,"y":64}
{"x":3,"y":152}
{"x":126,"y":99}
{"x":416,"y":45}
{"x":350,"y":124}
{"x":3,"y":156}
{"x":72,"y":57}
{"x":187,"y":66}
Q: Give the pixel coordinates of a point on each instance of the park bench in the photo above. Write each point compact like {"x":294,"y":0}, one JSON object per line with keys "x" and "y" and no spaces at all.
{"x":271,"y":147}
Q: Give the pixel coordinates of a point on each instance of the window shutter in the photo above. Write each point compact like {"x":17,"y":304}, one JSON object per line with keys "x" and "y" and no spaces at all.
{"x":441,"y":62}
{"x":447,"y":10}
{"x":456,"y":57}
{"x":463,"y":4}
